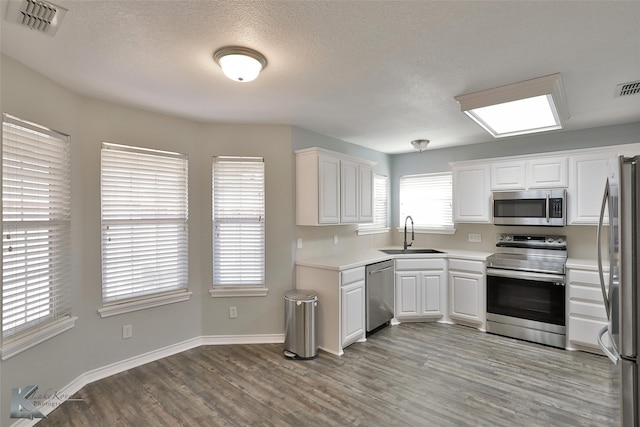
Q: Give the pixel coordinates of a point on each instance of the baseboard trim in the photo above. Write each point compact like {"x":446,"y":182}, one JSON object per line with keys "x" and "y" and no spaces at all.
{"x":142,"y":359}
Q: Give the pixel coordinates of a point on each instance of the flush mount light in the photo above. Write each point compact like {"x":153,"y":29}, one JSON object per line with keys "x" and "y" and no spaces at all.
{"x":420,"y":144}
{"x":536,"y":105}
{"x":240,"y":64}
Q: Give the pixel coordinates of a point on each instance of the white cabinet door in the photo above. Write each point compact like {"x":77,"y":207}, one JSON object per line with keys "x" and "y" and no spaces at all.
{"x":465,"y":296}
{"x":329,"y":190}
{"x":588,"y":174}
{"x":508,"y":175}
{"x":349,"y":192}
{"x":353,"y":315}
{"x":430,"y":292}
{"x":365,"y":193}
{"x":471,"y":194}
{"x":407,"y":294}
{"x":547,"y":172}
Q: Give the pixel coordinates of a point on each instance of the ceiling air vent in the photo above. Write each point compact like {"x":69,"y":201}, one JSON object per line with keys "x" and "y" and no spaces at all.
{"x":36,"y":14}
{"x":626,"y":89}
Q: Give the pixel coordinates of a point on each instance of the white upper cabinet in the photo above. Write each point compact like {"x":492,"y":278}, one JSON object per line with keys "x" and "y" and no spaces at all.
{"x":588,"y":177}
{"x":471,"y":193}
{"x":365,"y":196}
{"x":534,"y":173}
{"x":329,"y":190}
{"x":332,"y":188}
{"x":547,"y":172}
{"x":508,"y":175}
{"x":349,"y":192}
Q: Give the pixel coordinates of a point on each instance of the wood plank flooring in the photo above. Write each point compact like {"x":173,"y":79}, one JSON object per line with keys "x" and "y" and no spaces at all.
{"x":414,"y":374}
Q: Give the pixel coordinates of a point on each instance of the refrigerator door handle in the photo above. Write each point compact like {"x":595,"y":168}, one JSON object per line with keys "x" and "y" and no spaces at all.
{"x":611,"y":354}
{"x":605,"y":297}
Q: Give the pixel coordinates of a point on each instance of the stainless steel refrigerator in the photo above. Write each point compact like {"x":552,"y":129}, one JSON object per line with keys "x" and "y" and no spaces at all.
{"x":622,"y":301}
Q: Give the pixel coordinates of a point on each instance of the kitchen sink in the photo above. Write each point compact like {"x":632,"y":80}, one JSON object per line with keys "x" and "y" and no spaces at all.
{"x":411,"y":251}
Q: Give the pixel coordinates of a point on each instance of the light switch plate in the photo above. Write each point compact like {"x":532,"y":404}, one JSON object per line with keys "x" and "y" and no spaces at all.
{"x":299,"y":244}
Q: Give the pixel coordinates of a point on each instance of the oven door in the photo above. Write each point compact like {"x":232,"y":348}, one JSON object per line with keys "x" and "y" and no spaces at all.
{"x":537,"y":297}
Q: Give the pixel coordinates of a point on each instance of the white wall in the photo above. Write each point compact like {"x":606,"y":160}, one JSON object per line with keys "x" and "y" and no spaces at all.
{"x":95,"y":342}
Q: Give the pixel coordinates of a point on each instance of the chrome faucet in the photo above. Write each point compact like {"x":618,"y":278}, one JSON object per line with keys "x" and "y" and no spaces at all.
{"x":413,"y":236}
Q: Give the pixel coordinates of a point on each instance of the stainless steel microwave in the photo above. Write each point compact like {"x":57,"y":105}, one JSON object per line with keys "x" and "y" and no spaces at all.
{"x":532,"y":207}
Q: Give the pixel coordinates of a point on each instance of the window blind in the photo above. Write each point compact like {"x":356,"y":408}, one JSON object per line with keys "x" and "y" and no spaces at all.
{"x":36,"y":226}
{"x":380,"y":195}
{"x":144,"y":222}
{"x":238,"y":221}
{"x":428,"y":199}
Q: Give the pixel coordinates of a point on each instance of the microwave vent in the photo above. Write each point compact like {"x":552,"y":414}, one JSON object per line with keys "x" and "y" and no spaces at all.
{"x":36,"y":15}
{"x":626,"y":89}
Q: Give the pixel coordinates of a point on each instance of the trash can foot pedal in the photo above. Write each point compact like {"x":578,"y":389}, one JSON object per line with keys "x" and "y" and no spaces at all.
{"x":290,"y":355}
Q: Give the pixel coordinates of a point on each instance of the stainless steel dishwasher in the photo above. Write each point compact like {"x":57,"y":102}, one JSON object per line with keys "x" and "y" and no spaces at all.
{"x":379,"y":294}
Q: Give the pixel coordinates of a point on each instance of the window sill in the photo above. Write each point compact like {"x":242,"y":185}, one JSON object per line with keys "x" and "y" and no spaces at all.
{"x":143,"y":303}
{"x":18,"y":345}
{"x":425,"y":230}
{"x":238,"y":291}
{"x":373,"y":231}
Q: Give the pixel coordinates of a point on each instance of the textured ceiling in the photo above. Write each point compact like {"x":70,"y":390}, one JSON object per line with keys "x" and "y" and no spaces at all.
{"x":374,"y":73}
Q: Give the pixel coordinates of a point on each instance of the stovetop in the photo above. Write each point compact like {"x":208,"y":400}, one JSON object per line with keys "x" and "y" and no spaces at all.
{"x":536,"y":253}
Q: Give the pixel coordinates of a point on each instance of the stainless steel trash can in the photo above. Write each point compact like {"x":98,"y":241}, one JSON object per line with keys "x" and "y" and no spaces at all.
{"x":301,"y":326}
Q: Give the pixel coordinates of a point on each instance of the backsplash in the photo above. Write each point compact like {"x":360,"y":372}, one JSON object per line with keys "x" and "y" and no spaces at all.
{"x":319,"y":241}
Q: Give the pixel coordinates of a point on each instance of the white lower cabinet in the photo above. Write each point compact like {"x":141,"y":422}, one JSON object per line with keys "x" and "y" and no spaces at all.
{"x":467,"y":292}
{"x":420,"y":289}
{"x":353,"y":314}
{"x":341,"y":304}
{"x":586,"y":312}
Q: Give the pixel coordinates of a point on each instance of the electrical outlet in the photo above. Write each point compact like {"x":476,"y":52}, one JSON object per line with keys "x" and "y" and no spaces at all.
{"x":335,"y":239}
{"x":233,"y":312}
{"x":127,"y":331}
{"x":299,"y":244}
{"x":475,"y":237}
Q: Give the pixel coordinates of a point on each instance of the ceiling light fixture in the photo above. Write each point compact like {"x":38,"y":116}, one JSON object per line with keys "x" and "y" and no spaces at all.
{"x":240,"y":64}
{"x":536,"y":105}
{"x":420,"y":144}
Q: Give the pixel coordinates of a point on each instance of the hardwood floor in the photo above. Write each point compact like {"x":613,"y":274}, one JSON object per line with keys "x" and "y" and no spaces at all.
{"x":414,"y":374}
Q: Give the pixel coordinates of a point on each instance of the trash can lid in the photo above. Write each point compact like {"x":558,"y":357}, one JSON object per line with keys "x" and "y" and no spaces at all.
{"x":301,"y":295}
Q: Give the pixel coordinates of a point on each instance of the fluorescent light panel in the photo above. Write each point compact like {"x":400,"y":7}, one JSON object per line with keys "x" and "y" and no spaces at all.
{"x":527,"y":107}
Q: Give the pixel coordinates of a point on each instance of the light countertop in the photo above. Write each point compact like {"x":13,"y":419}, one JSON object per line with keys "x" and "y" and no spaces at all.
{"x":345,"y":261}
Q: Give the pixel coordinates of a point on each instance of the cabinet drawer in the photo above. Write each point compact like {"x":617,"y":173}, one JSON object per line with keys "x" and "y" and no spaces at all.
{"x":587,"y":277}
{"x":587,"y":309}
{"x":466,"y":265}
{"x":419,"y":264}
{"x":585,"y":331}
{"x":586,"y":293}
{"x":352,"y":275}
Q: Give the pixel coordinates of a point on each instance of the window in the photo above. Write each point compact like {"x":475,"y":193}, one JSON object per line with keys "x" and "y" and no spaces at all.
{"x":36,"y":229}
{"x":427,"y":198}
{"x":144,"y":226}
{"x":380,"y":195}
{"x":238,"y":222}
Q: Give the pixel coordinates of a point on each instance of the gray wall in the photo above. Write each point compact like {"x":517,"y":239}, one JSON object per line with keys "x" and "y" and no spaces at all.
{"x":95,"y":342}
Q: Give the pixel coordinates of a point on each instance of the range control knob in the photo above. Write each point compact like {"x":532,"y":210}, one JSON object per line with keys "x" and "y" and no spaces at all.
{"x":508,"y":238}
{"x":560,"y":240}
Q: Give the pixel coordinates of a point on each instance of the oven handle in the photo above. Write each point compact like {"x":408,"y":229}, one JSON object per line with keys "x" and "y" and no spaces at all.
{"x":526,"y":275}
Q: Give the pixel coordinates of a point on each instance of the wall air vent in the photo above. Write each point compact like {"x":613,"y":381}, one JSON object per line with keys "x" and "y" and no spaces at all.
{"x":626,"y":89}
{"x":37,"y":15}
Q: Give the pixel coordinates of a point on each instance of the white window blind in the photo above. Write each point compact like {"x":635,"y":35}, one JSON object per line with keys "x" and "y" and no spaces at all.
{"x":36,"y":227}
{"x":144,"y":222}
{"x":380,"y":197}
{"x":238,"y":221}
{"x":427,"y":198}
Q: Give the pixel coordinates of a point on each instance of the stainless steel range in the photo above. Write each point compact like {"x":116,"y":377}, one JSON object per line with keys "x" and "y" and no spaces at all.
{"x":526,"y":288}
